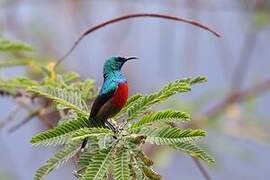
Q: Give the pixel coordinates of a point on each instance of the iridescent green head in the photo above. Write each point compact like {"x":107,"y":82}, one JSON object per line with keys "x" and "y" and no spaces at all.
{"x":115,"y":64}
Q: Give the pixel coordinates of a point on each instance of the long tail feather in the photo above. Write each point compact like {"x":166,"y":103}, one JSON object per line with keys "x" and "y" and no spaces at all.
{"x":92,"y":123}
{"x":84,"y":144}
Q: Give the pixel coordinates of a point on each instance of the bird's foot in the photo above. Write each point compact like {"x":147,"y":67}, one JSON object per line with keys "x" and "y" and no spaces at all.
{"x":82,"y":150}
{"x":111,"y":126}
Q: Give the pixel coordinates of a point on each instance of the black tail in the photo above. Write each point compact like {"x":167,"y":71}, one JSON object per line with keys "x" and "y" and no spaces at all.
{"x":84,"y":143}
{"x":92,"y":123}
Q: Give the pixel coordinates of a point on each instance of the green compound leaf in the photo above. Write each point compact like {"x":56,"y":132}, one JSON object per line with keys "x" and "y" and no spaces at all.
{"x":91,"y":132}
{"x":16,"y":62}
{"x":100,"y":164}
{"x":194,"y":150}
{"x":60,"y":134}
{"x":169,"y":135}
{"x":68,"y":99}
{"x":59,"y":158}
{"x":162,"y":116}
{"x":121,"y":165}
{"x":12,"y":46}
{"x":145,"y":102}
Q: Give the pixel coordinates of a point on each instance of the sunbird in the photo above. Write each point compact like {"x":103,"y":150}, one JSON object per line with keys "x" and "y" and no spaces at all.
{"x":112,"y":96}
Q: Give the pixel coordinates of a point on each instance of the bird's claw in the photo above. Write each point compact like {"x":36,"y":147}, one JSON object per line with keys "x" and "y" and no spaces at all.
{"x":111,"y":126}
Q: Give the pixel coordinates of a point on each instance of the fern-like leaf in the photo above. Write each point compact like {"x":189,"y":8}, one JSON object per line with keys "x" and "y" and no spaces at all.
{"x":91,"y":132}
{"x":121,"y":165}
{"x":86,"y":157}
{"x":11,"y":46}
{"x":146,"y":102}
{"x":168,"y":135}
{"x":70,"y":76}
{"x":87,"y":89}
{"x":16,"y":62}
{"x":199,"y":79}
{"x":55,"y":161}
{"x":17,"y":83}
{"x":60,"y":134}
{"x":163,"y":116}
{"x":132,"y":99}
{"x":68,"y":99}
{"x":135,"y":167}
{"x":16,"y":86}
{"x":100,"y":164}
{"x":194,"y":151}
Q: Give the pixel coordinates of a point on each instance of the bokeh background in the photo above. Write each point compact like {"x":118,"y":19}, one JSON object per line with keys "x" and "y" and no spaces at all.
{"x":233,"y":106}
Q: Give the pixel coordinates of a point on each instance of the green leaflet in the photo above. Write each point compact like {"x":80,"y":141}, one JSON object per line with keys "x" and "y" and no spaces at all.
{"x":145,"y":102}
{"x":132,"y":100}
{"x":18,"y":83}
{"x":169,"y":135}
{"x":85,"y":157}
{"x":140,"y":104}
{"x":136,"y":171}
{"x":199,"y":79}
{"x":193,"y":150}
{"x":121,"y":165}
{"x":91,"y":132}
{"x":163,"y":116}
{"x":16,"y":62}
{"x":60,"y":134}
{"x":87,"y":89}
{"x":12,"y":46}
{"x":100,"y":164}
{"x":55,"y":161}
{"x":69,"y":99}
{"x":70,"y":76}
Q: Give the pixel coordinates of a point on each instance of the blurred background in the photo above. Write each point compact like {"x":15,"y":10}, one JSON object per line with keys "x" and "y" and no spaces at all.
{"x":233,"y":106}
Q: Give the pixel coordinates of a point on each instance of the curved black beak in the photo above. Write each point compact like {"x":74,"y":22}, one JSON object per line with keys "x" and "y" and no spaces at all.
{"x":130,"y":58}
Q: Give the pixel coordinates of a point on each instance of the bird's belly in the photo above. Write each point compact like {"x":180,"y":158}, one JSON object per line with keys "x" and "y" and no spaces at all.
{"x":115,"y":103}
{"x":108,"y":110}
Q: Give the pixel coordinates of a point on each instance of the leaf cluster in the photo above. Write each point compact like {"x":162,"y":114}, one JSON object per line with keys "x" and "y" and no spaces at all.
{"x":118,"y":154}
{"x":108,"y":154}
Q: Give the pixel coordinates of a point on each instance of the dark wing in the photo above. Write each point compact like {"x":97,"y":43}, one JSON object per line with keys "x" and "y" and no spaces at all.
{"x":100,"y":101}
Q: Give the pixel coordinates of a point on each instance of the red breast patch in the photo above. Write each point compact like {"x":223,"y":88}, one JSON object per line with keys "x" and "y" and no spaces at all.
{"x":120,"y":95}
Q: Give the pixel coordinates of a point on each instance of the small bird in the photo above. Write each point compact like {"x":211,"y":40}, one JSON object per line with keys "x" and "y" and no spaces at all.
{"x":112,"y":96}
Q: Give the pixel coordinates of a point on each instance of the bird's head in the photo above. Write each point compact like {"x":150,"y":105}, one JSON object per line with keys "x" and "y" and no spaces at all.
{"x":115,"y":64}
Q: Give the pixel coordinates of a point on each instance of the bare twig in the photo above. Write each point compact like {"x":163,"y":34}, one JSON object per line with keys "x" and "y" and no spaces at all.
{"x":26,"y":120}
{"x":130,"y":16}
{"x":10,"y":117}
{"x":239,"y":96}
{"x":201,"y":168}
{"x":19,"y":93}
{"x":244,"y":61}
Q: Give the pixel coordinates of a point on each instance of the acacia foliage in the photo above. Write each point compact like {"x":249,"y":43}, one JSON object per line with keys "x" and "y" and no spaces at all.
{"x":118,"y":154}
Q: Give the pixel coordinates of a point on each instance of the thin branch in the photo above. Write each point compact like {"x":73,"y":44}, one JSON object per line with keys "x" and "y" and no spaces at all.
{"x":19,"y":93}
{"x":26,"y":120}
{"x":242,"y":66}
{"x":195,"y":160}
{"x":201,"y":168}
{"x":239,"y":96}
{"x":10,"y":117}
{"x":130,"y":16}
